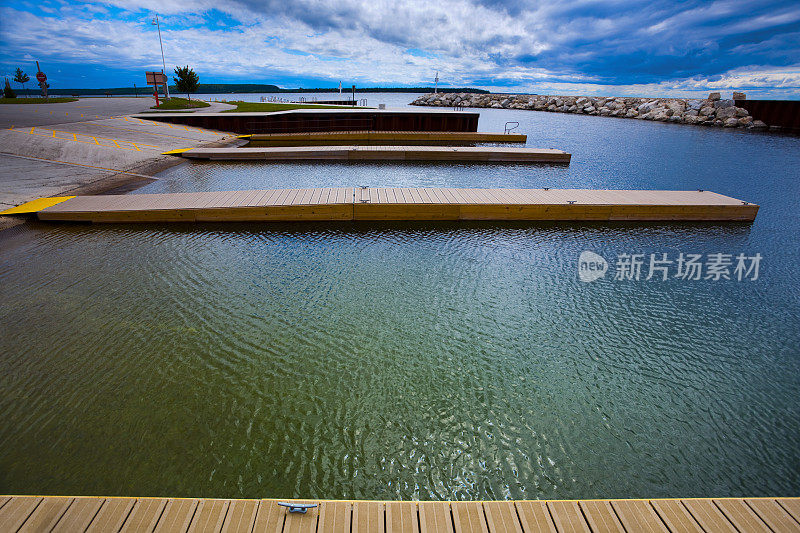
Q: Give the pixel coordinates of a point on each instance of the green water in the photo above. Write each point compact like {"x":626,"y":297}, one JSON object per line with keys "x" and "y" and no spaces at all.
{"x":429,"y":360}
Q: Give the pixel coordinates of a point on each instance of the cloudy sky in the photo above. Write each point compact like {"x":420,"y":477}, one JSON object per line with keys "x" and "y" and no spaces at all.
{"x":650,"y":47}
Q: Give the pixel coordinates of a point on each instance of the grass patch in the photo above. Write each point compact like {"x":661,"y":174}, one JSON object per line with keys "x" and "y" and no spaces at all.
{"x":19,"y":100}
{"x":247,"y":107}
{"x":180,"y":103}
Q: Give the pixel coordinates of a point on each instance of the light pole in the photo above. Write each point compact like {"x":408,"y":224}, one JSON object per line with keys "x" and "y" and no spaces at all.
{"x":163,"y":63}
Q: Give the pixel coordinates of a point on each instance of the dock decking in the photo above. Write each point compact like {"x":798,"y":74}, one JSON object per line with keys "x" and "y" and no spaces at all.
{"x":176,"y":515}
{"x":348,"y":203}
{"x":485,"y":154}
{"x":380,"y":137}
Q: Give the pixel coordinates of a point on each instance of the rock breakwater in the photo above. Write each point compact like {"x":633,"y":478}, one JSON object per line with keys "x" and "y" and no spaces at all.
{"x":712,"y":111}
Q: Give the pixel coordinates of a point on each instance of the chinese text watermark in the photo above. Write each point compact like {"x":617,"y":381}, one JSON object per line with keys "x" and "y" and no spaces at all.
{"x":663,"y":266}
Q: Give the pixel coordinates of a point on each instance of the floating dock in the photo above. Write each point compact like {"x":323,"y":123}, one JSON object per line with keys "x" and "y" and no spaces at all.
{"x":483,"y":154}
{"x":363,"y":203}
{"x":380,"y":138}
{"x":178,"y":515}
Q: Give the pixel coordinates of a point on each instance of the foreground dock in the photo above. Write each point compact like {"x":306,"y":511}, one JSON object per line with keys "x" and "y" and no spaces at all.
{"x":380,"y":138}
{"x":30,"y":513}
{"x":348,"y":203}
{"x":485,"y":154}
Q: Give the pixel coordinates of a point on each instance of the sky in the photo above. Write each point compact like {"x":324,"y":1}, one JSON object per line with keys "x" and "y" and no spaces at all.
{"x":613,"y":47}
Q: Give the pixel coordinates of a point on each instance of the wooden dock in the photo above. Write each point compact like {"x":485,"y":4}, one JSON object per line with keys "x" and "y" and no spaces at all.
{"x":348,"y":203}
{"x":481,"y":154}
{"x":176,"y":515}
{"x":380,"y":138}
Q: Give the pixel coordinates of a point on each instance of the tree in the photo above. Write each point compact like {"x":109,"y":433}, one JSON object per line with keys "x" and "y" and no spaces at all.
{"x":8,"y":92}
{"x":186,"y":80}
{"x":21,"y":78}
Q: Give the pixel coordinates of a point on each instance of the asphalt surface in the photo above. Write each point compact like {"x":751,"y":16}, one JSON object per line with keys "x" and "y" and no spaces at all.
{"x":85,"y":109}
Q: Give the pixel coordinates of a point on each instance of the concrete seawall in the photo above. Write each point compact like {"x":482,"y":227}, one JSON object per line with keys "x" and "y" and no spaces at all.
{"x":713,"y":111}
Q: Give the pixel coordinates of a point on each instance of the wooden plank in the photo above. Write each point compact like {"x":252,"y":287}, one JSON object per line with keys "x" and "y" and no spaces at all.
{"x":177,"y":516}
{"x":638,"y":515}
{"x":775,"y":516}
{"x":468,"y":518}
{"x":46,"y":514}
{"x":145,"y":515}
{"x":335,"y":517}
{"x":675,"y":515}
{"x":567,"y":517}
{"x":78,"y":515}
{"x":501,"y":517}
{"x":601,"y":516}
{"x":434,"y":517}
{"x":740,"y":515}
{"x":16,"y":511}
{"x":791,"y":506}
{"x":401,"y":517}
{"x":534,"y":517}
{"x":708,"y":516}
{"x":269,"y":518}
{"x":241,"y":516}
{"x":209,"y":516}
{"x":369,"y":517}
{"x":111,"y":515}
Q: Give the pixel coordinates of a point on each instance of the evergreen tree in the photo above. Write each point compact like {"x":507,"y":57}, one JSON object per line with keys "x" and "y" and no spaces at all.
{"x":186,"y":80}
{"x":8,"y":92}
{"x":21,"y":78}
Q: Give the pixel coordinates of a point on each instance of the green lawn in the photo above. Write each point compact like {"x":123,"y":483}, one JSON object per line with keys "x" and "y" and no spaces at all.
{"x":180,"y":103}
{"x":19,"y":100}
{"x":271,"y":106}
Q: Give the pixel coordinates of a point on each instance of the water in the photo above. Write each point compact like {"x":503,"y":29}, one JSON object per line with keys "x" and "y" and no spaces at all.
{"x":414,"y":360}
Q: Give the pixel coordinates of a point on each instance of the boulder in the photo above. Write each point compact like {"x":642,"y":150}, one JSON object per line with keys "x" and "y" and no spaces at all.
{"x":741,"y":112}
{"x":731,"y":122}
{"x":758,"y":125}
{"x":739,"y":96}
{"x":726,"y":112}
{"x":745,"y":121}
{"x":724,"y":103}
{"x":589,"y":109}
{"x":695,"y":104}
{"x":707,"y":111}
{"x":714,"y":96}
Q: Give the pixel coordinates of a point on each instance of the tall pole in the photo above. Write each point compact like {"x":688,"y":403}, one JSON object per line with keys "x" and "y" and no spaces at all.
{"x":436,"y":81}
{"x":163,"y":63}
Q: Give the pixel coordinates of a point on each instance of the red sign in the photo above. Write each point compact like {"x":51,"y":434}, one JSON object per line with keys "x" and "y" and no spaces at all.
{"x":41,"y":76}
{"x":155,"y":78}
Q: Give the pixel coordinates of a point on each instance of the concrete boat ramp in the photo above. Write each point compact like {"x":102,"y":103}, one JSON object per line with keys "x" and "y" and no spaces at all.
{"x":368,"y":203}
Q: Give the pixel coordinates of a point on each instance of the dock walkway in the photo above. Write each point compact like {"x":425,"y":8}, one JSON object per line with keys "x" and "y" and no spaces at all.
{"x":368,"y":203}
{"x":176,"y":515}
{"x":380,"y":137}
{"x":485,"y":154}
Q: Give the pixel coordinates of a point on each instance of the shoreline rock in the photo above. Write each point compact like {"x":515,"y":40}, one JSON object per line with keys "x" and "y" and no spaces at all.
{"x":713,"y":111}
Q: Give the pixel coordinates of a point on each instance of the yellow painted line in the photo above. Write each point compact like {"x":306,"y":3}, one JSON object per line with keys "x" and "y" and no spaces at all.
{"x":34,"y":206}
{"x":244,"y":136}
{"x":94,"y":139}
{"x":176,"y":152}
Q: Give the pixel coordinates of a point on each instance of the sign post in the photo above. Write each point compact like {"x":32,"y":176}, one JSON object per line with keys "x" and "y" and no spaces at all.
{"x":41,"y":77}
{"x":155,"y":79}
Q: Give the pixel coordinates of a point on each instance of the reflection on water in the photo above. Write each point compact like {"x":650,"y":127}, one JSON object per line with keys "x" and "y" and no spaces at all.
{"x":411,"y":360}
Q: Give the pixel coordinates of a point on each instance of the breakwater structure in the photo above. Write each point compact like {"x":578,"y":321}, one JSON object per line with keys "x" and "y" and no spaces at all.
{"x":324,"y":120}
{"x":736,"y":112}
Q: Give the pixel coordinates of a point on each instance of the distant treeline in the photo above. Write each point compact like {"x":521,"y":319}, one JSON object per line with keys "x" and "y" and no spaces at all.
{"x":225,"y":88}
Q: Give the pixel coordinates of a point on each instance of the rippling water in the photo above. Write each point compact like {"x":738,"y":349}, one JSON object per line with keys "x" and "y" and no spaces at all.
{"x":413,"y":360}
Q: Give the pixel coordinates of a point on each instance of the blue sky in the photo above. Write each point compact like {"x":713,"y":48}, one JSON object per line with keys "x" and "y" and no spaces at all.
{"x":678,"y":48}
